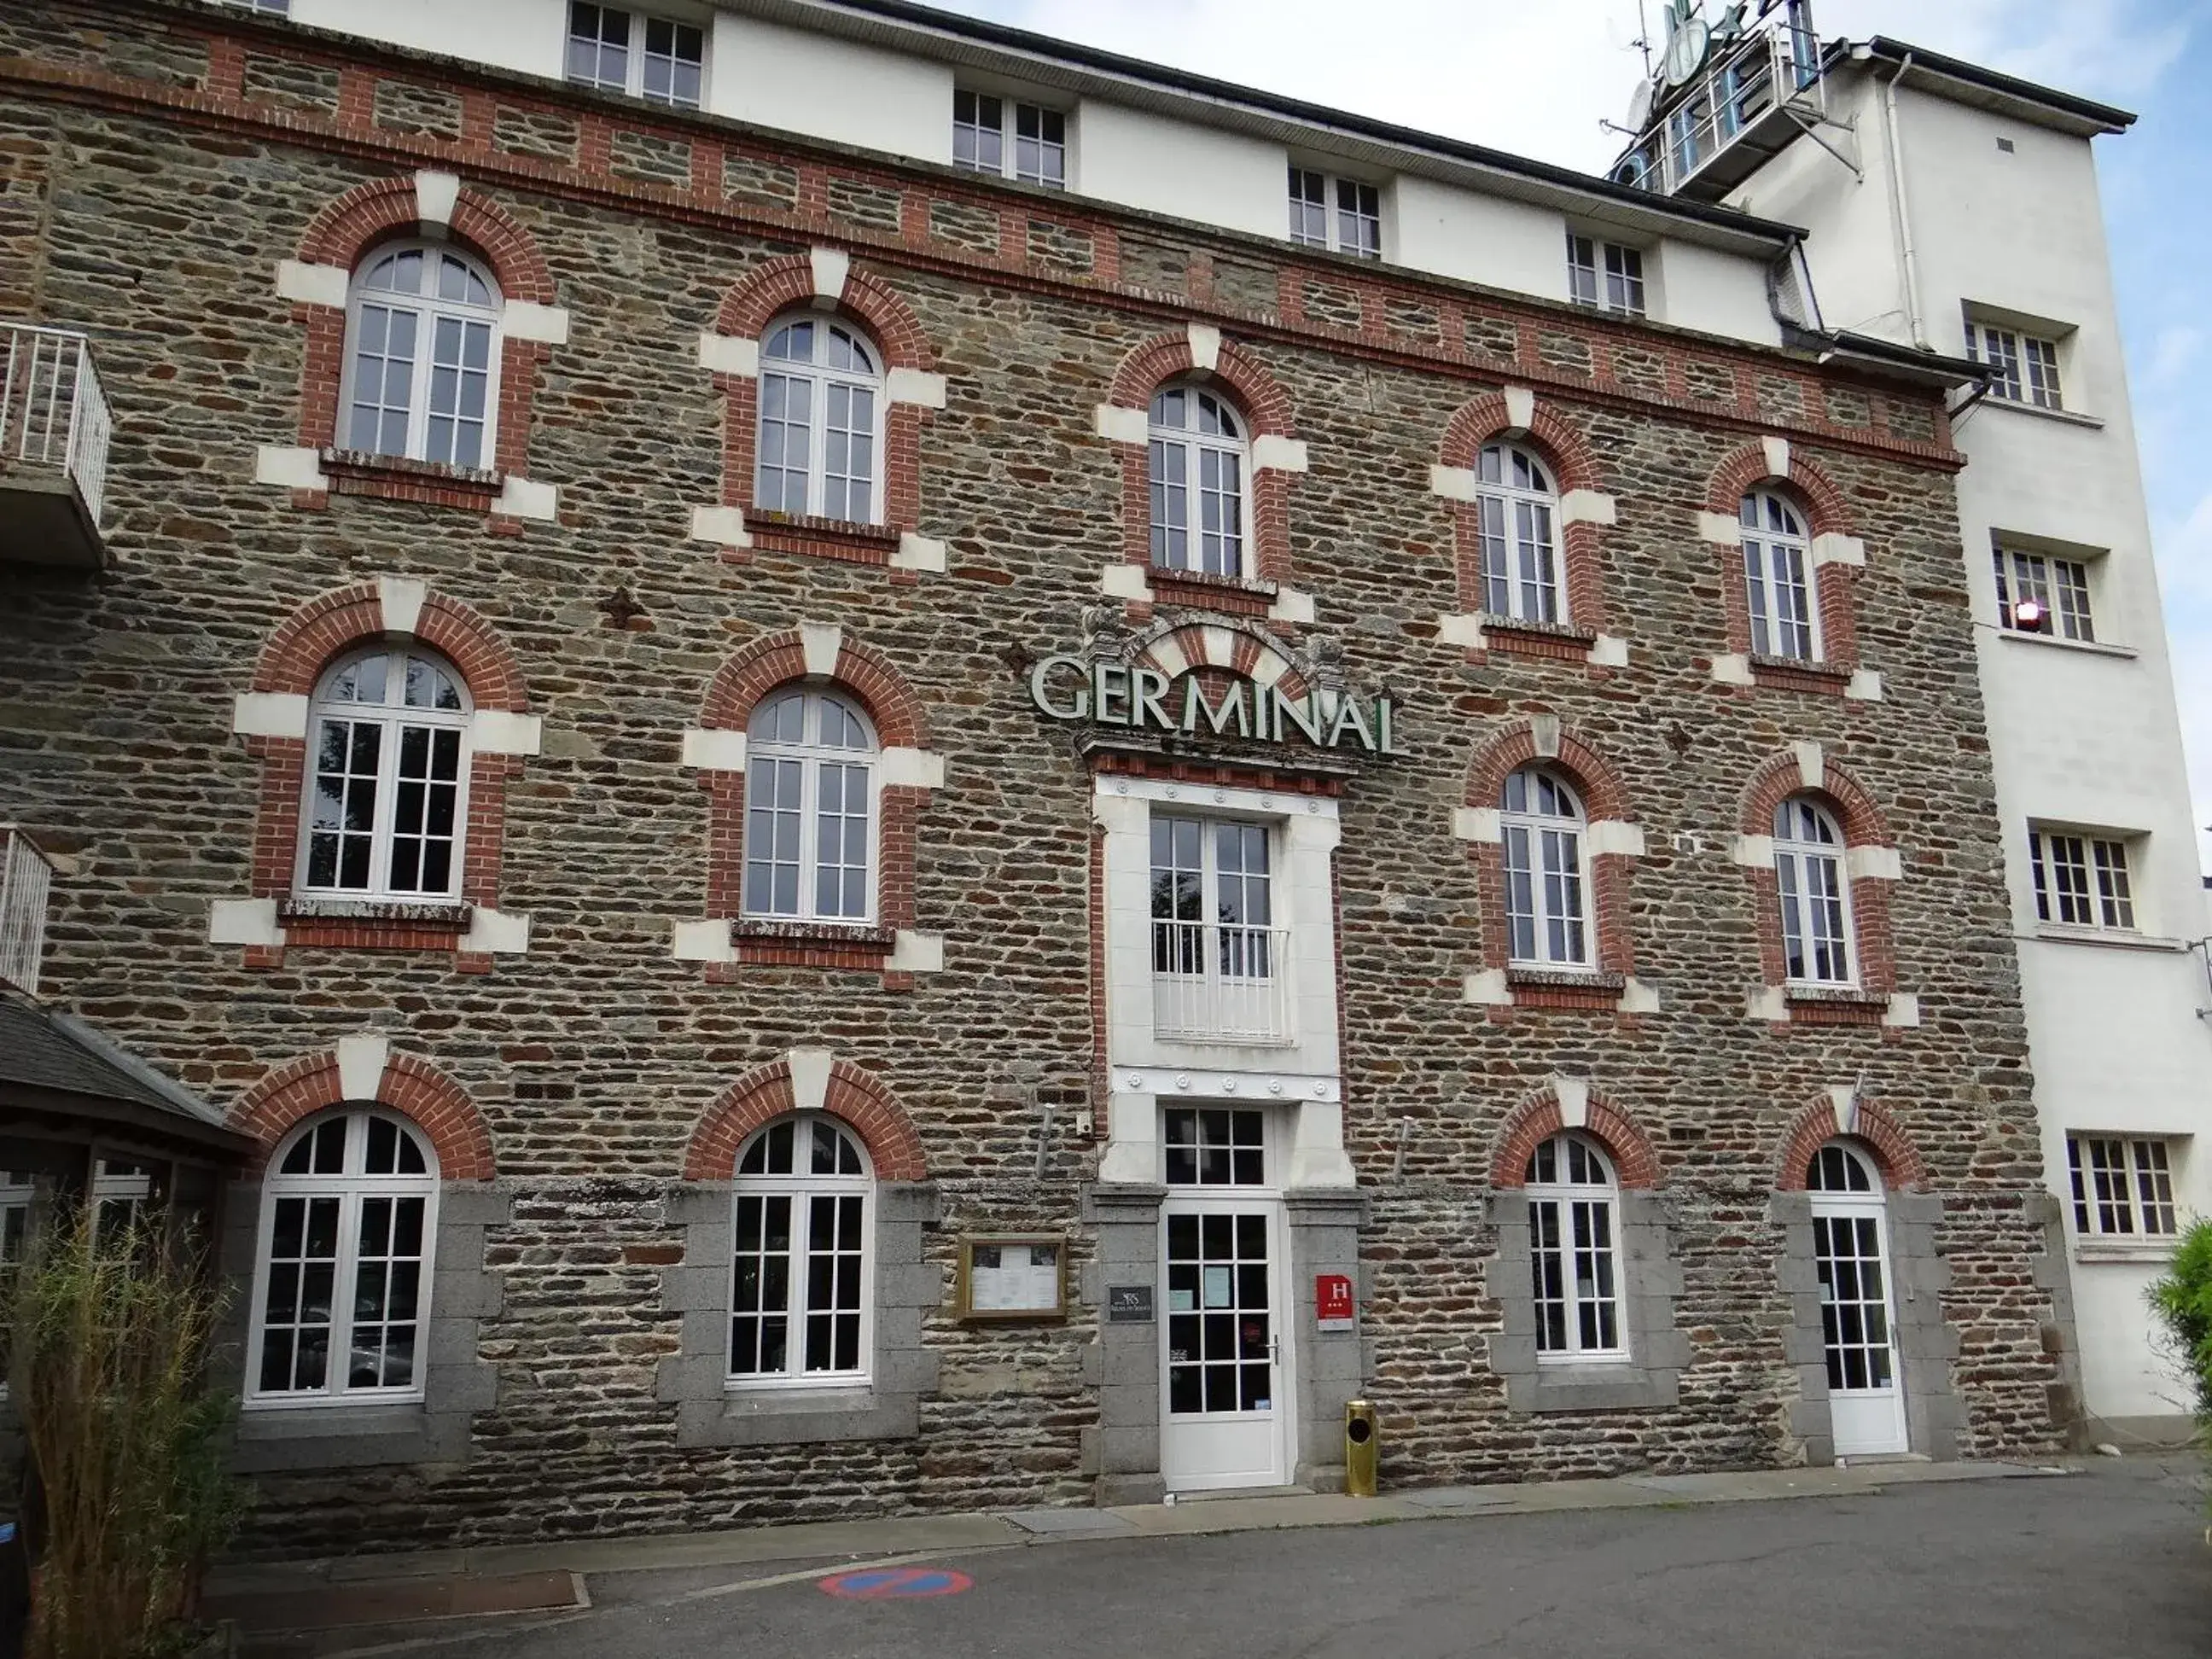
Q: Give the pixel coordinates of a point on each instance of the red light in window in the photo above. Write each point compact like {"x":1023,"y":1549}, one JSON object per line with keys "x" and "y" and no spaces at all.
{"x":2029,"y":616}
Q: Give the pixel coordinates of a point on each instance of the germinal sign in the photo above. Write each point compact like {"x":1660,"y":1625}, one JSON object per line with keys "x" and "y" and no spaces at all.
{"x":1144,"y":699}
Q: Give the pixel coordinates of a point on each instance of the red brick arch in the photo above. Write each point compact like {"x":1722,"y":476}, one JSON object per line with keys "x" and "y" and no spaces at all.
{"x":1265,"y":405}
{"x":754,"y":301}
{"x":1536,"y":1119}
{"x":1873,"y":1130}
{"x":1203,"y":645}
{"x":1777,"y":779}
{"x":1835,"y":585}
{"x":901,"y":722}
{"x":343,"y":232}
{"x":1603,"y":791}
{"x":298,"y":651}
{"x":1557,"y":442}
{"x":854,"y":1097}
{"x":410,"y":1086}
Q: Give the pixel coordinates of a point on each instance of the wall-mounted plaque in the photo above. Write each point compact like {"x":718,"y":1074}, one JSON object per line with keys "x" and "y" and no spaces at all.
{"x":1013,"y":1276}
{"x":1129,"y":1304}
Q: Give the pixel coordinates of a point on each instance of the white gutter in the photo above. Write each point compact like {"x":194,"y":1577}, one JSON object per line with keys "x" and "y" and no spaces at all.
{"x":1900,"y":213}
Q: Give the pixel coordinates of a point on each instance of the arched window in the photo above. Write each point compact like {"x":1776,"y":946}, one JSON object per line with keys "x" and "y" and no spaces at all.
{"x":1573,"y":1224}
{"x":800,"y":1309}
{"x":421,"y":356}
{"x":810,"y":809}
{"x":1785,"y":613}
{"x":1200,"y":467}
{"x":342,"y":1287}
{"x":1518,"y":506}
{"x":1546,"y":894}
{"x":1866,"y":1404}
{"x":821,"y":423}
{"x":387,"y":777}
{"x":1815,"y":895}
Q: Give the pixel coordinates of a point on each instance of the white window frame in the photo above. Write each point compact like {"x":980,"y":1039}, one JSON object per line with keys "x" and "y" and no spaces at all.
{"x":2124,"y":1189}
{"x":1195,"y":446}
{"x":1777,"y":561}
{"x":1553,"y":864}
{"x":637,"y":53}
{"x":351,"y":1189}
{"x":801,"y":1186}
{"x":394,"y":719}
{"x":1522,"y":558}
{"x":2089,"y":870}
{"x":810,"y":754}
{"x":2061,"y":585}
{"x":1798,"y":859}
{"x":423,"y":369}
{"x":1563,"y":1197}
{"x":2024,"y":365}
{"x":1351,"y":212}
{"x":970,"y":102}
{"x":1607,"y":276}
{"x":821,"y":380}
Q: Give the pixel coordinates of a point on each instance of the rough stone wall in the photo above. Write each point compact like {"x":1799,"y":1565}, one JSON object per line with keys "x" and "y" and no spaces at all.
{"x":593,"y":1055}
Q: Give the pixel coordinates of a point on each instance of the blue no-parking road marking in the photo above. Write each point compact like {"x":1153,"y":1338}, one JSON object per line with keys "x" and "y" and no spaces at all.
{"x":896,"y":1583}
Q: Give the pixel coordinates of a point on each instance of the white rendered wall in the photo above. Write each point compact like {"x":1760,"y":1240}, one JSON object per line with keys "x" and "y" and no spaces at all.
{"x":1158,"y":165}
{"x":2083,"y":737}
{"x":825,"y":87}
{"x":1715,"y":293}
{"x":1455,"y":233}
{"x":527,"y":36}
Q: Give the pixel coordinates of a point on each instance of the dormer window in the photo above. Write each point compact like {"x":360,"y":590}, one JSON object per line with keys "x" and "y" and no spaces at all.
{"x":1341,"y":215}
{"x":1604,"y":276}
{"x":654,"y":58}
{"x":1010,"y":139}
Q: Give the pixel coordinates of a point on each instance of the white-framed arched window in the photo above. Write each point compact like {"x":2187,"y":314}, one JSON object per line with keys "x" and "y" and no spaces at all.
{"x":1519,"y":509}
{"x":1777,"y":575}
{"x":1813,"y":884}
{"x":422,"y":362}
{"x":342,"y":1276}
{"x":387,"y":778}
{"x":1574,"y":1250}
{"x":802,"y":1259}
{"x":821,"y":423}
{"x":1540,"y":822}
{"x":810,"y":809}
{"x":1200,"y":467}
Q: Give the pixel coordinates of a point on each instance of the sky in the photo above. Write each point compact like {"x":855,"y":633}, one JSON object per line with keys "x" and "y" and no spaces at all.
{"x":1537,"y":79}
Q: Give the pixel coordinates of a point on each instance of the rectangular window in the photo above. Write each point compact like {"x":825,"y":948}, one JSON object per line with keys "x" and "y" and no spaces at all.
{"x":2081,"y":881}
{"x":1037,"y":154}
{"x":1342,"y":214}
{"x":655,"y":58}
{"x":2023,"y":368}
{"x":1219,"y":962}
{"x":1604,"y":276}
{"x":2123,"y":1187}
{"x":2039,"y":594}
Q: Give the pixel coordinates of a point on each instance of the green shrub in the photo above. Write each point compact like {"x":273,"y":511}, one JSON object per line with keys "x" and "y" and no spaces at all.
{"x":2183,"y":1301}
{"x":109,"y":1341}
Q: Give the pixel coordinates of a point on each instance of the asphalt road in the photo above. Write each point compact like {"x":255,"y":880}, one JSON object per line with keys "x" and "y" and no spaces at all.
{"x":2110,"y":1564}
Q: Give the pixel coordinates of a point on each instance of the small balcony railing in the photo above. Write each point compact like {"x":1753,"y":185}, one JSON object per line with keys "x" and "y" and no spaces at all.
{"x":1746,"y":89}
{"x":55,"y":421}
{"x":1222,"y":982}
{"x":25,"y":875}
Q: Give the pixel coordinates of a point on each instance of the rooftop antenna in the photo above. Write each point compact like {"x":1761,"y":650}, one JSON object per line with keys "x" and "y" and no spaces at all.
{"x":1644,"y":37}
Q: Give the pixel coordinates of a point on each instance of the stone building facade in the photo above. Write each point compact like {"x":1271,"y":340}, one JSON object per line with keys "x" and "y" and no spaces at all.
{"x":589,"y":1033}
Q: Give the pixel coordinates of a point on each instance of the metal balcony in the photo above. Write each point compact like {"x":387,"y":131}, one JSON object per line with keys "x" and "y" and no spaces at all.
{"x":1222,"y":982}
{"x":53,"y":450}
{"x":26,"y":873}
{"x":1752,"y":97}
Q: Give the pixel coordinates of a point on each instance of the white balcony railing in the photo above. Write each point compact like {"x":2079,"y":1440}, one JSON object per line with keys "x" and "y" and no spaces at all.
{"x":1222,"y":982}
{"x":56,"y":414}
{"x":25,"y":874}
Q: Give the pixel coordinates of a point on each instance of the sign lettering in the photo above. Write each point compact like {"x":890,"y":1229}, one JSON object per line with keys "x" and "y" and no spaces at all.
{"x":1144,"y":699}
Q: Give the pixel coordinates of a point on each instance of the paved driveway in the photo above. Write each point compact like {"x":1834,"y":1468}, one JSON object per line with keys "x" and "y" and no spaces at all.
{"x":2109,"y":1564}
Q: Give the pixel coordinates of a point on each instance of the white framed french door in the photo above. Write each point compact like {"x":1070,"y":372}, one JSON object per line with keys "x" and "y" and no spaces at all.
{"x":1226,"y":1364}
{"x":1859,"y":1324}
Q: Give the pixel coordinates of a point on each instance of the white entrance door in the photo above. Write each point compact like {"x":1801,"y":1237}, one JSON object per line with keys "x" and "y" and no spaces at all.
{"x":1866,"y":1395}
{"x":1225,"y":1364}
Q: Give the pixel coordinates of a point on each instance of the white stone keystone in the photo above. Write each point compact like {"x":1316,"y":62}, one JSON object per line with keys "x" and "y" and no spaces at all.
{"x":809,"y":1078}
{"x":1204,"y":347}
{"x":819,"y":644}
{"x":1844,"y":1098}
{"x":1811,"y":764}
{"x":1778,"y":456}
{"x":1520,"y":408}
{"x":400,"y":598}
{"x":436,"y":195}
{"x":1573,"y":1095}
{"x":361,"y":1060}
{"x":1544,"y":735}
{"x":831,"y":267}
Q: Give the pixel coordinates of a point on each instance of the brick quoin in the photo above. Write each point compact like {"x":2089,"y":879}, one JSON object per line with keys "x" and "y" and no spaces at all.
{"x":413,"y":1087}
{"x":1561,"y":447}
{"x":746,"y":311}
{"x":1265,"y":407}
{"x":1536,"y":1119}
{"x":1875,"y":1131}
{"x":1776,"y":780}
{"x":853,"y":1097}
{"x":1826,"y":512}
{"x":345,"y":234}
{"x":295,"y":656}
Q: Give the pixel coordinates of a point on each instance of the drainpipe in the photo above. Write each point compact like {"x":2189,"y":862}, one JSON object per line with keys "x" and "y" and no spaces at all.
{"x":1901,"y":215}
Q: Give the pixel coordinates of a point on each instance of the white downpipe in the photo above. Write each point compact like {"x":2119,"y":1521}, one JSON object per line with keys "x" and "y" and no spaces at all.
{"x":1900,"y":213}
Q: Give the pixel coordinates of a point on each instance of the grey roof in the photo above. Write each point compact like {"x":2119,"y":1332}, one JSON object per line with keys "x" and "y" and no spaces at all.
{"x":2005,"y":94}
{"x":46,"y":1050}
